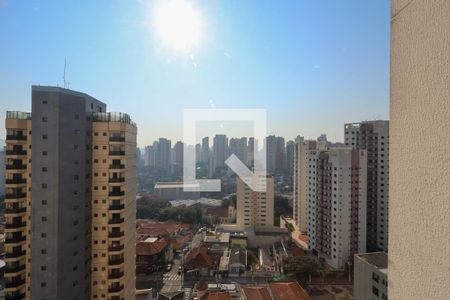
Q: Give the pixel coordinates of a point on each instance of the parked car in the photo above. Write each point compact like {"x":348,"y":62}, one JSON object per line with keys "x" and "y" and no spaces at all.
{"x":180,"y":269}
{"x":168,"y":267}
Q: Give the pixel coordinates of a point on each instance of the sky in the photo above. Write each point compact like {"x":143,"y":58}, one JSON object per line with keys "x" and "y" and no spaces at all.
{"x":313,"y":65}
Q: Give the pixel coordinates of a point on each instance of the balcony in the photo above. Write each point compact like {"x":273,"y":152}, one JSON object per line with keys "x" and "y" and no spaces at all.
{"x":16,"y":152}
{"x":116,"y":234}
{"x":14,"y":283}
{"x":115,"y":261}
{"x":116,"y":180}
{"x":15,"y":225}
{"x":16,"y":137}
{"x":116,"y":248}
{"x":15,"y":239}
{"x":116,"y":193}
{"x":117,"y":166}
{"x":117,"y":139}
{"x":115,"y":275}
{"x":15,"y":195}
{"x":116,"y":206}
{"x":116,"y":152}
{"x":14,"y":269}
{"x":15,"y":254}
{"x":115,"y":289}
{"x":116,"y":221}
{"x":15,"y":210}
{"x":16,"y":167}
{"x":15,"y":180}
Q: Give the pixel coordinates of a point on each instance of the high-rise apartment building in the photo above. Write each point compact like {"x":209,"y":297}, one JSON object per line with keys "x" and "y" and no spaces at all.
{"x":373,"y":136}
{"x":205,"y":150}
{"x":163,"y":155}
{"x":220,"y":151}
{"x":150,"y":156}
{"x":340,"y":205}
{"x":290,"y":146}
{"x":72,"y":220}
{"x":255,"y":209}
{"x":2,"y":172}
{"x":238,"y":147}
{"x":304,"y":165}
{"x":252,"y":150}
{"x":370,"y":276}
{"x":276,"y":154}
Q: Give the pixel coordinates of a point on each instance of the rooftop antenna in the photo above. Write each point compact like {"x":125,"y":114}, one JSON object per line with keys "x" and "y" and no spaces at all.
{"x":66,"y":84}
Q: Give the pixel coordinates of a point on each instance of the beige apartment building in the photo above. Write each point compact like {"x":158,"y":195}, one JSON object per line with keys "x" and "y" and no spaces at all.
{"x":305,"y":156}
{"x":255,"y":209}
{"x":370,"y":276}
{"x":71,"y":223}
{"x":17,"y":204}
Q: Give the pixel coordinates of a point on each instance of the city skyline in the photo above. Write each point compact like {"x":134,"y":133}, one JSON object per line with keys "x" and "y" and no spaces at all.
{"x":310,"y":81}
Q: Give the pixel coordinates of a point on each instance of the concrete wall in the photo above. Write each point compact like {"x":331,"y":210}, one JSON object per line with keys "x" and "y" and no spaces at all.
{"x":419,"y":243}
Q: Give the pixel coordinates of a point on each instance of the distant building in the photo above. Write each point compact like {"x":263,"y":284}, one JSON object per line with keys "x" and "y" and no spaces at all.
{"x":373,"y":136}
{"x":220,"y":151}
{"x":255,"y":209}
{"x":237,"y":261}
{"x":204,"y":156}
{"x":2,"y":172}
{"x":276,"y":154}
{"x":152,"y":253}
{"x":216,"y":215}
{"x":238,"y":147}
{"x":150,"y":155}
{"x":174,"y":191}
{"x":163,"y":155}
{"x":177,"y":165}
{"x":371,"y":276}
{"x":290,"y":148}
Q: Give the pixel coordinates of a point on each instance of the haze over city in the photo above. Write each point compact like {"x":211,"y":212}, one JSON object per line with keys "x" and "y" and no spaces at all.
{"x":313,"y":66}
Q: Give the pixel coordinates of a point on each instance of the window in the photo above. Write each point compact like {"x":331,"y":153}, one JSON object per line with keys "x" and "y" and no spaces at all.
{"x":44,"y":136}
{"x":375,"y":290}
{"x":44,"y":119}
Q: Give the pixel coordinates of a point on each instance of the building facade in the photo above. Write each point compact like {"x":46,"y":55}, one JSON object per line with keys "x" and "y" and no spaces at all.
{"x":58,"y":238}
{"x":255,"y":209}
{"x":340,"y":205}
{"x":373,"y":136}
{"x":371,"y":276}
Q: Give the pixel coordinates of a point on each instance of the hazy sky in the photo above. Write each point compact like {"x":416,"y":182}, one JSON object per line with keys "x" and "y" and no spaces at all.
{"x":314,"y":65}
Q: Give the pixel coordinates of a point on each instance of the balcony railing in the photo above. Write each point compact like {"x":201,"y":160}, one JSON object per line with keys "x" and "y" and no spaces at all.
{"x":116,"y":248}
{"x":15,"y":180}
{"x":16,"y":167}
{"x":15,"y":210}
{"x":116,"y":221}
{"x":117,"y":139}
{"x":15,"y":254}
{"x":15,"y":239}
{"x":16,"y":152}
{"x":14,"y":269}
{"x":115,"y":261}
{"x":115,"y":180}
{"x":115,"y":289}
{"x":115,"y":275}
{"x":14,"y":295}
{"x":15,"y":225}
{"x":116,"y":234}
{"x":15,"y":195}
{"x":14,"y":283}
{"x":117,"y":166}
{"x":116,"y":152}
{"x":116,"y":193}
{"x":16,"y":137}
{"x":116,"y":206}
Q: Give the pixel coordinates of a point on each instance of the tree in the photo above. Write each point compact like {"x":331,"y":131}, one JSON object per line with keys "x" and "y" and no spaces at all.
{"x":303,"y":266}
{"x":281,"y":207}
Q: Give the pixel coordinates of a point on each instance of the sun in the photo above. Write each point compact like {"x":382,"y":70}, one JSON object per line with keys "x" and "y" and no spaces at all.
{"x":178,"y":24}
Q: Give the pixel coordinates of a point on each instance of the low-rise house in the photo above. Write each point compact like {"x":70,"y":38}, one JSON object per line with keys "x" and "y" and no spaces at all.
{"x":216,"y":215}
{"x":275,"y":291}
{"x":237,"y":261}
{"x":152,"y":254}
{"x":199,"y":262}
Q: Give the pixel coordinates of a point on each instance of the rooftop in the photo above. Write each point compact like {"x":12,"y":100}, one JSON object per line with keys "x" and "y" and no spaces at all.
{"x":214,"y":295}
{"x":112,"y":117}
{"x":377,"y":259}
{"x":20,"y":115}
{"x":275,"y":291}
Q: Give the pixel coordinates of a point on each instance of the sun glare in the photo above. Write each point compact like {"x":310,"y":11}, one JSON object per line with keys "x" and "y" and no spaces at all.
{"x":178,"y":24}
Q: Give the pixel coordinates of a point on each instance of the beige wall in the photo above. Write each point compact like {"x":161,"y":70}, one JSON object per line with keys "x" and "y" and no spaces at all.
{"x":419,"y":243}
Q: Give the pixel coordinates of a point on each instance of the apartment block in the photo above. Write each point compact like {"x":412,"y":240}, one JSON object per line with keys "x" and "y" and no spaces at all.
{"x":255,"y":209}
{"x":373,"y":136}
{"x":371,"y":276}
{"x":69,"y":210}
{"x":305,"y":157}
{"x":17,"y":204}
{"x":340,"y":205}
{"x":220,"y":151}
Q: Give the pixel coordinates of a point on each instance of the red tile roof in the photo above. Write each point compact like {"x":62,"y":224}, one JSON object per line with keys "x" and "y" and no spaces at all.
{"x":199,"y":257}
{"x":216,"y":296}
{"x":288,"y":291}
{"x":147,"y":248}
{"x":256,"y":293}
